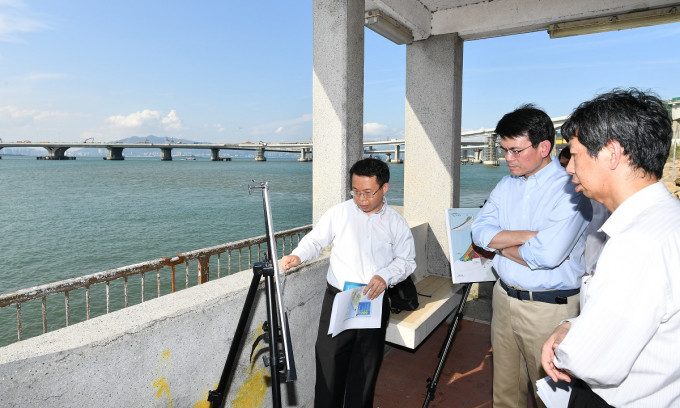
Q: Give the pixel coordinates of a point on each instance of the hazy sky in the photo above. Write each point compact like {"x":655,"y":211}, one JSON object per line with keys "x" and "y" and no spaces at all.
{"x":227,"y":71}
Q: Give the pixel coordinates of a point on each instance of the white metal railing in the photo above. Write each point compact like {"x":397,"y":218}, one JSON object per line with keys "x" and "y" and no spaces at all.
{"x":235,"y":253}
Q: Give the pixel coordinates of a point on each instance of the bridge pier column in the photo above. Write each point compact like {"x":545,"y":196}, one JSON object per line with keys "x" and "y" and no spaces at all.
{"x":477,"y":156}
{"x":491,"y":151}
{"x":396,"y":159}
{"x":115,"y":153}
{"x":259,"y":154}
{"x":166,"y":154}
{"x":214,"y":154}
{"x":304,"y":155}
{"x":56,"y":153}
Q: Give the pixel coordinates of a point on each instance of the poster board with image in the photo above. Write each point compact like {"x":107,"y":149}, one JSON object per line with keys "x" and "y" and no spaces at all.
{"x":469,"y":263}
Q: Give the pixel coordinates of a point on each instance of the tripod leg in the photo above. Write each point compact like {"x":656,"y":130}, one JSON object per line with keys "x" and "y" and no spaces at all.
{"x":274,"y":363}
{"x":216,"y":397}
{"x":432,"y":386}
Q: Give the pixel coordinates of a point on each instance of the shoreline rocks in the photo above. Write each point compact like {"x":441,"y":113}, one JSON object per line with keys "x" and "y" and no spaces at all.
{"x":672,"y":185}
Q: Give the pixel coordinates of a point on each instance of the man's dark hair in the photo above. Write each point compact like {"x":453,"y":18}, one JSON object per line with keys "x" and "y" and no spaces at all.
{"x":638,"y":120}
{"x":371,"y":167}
{"x":564,"y":153}
{"x":527,"y":120}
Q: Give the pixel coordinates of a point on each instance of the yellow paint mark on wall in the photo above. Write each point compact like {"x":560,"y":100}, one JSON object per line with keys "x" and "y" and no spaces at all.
{"x":204,"y":403}
{"x":163,"y":387}
{"x":251,"y":394}
{"x":160,"y":382}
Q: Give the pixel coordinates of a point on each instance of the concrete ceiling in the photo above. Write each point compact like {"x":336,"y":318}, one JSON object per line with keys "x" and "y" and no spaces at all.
{"x":476,"y":19}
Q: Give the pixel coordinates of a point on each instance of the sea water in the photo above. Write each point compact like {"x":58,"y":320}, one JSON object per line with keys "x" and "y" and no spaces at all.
{"x":62,"y":219}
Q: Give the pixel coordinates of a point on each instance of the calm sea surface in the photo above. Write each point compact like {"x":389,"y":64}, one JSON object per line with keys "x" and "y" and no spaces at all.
{"x":61,"y":219}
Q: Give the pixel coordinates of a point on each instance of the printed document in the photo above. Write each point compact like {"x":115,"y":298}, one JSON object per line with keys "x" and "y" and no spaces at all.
{"x":353,"y":310}
{"x":553,"y":394}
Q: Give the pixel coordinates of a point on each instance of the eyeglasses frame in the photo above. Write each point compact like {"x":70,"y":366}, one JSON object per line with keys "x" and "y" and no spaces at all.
{"x":513,"y":152}
{"x":360,"y":194}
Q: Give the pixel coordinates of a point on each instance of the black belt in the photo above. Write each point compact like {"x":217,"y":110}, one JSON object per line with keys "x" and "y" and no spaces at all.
{"x":558,"y":297}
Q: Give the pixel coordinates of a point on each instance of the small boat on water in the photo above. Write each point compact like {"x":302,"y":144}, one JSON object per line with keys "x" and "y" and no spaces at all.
{"x":192,"y":157}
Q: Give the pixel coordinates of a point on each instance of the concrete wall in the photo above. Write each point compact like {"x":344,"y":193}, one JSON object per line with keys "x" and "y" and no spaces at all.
{"x":166,"y":352}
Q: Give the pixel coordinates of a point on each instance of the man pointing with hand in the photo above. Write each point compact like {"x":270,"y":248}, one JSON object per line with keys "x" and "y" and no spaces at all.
{"x":372,"y":246}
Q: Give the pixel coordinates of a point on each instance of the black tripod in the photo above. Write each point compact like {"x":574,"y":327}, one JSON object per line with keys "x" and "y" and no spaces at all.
{"x":276,"y":327}
{"x":444,"y":352}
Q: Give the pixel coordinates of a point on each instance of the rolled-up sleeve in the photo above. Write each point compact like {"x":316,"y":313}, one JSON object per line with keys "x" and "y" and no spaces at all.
{"x":487,"y":223}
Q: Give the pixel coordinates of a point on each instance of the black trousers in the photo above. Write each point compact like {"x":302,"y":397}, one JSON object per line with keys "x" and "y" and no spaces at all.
{"x":583,"y":397}
{"x":347,"y":365}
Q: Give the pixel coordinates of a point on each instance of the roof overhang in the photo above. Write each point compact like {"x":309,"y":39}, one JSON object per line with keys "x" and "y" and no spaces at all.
{"x":473,"y":20}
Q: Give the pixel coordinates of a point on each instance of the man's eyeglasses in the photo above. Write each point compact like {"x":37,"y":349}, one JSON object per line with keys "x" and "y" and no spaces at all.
{"x":513,"y":152}
{"x":368,"y":196}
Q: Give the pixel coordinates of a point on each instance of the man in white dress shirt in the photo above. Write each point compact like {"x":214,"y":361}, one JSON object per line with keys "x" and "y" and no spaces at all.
{"x":622,"y":350}
{"x":372,"y":246}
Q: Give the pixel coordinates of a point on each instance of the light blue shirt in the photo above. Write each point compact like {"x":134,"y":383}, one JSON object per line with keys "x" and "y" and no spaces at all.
{"x":545,"y":202}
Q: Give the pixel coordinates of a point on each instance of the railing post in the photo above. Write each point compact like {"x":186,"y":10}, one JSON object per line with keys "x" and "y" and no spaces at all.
{"x":84,"y":283}
{"x":203,"y":269}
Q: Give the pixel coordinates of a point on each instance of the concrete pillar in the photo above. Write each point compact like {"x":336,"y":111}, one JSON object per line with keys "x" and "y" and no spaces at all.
{"x":491,"y":151}
{"x":215,"y":154}
{"x":477,"y":156}
{"x":166,"y":153}
{"x":434,"y":72}
{"x":338,"y":95}
{"x":368,"y":151}
{"x":304,"y":154}
{"x":259,"y":154}
{"x":396,"y":159}
{"x":675,"y":115}
{"x":55,"y":153}
{"x":115,"y":153}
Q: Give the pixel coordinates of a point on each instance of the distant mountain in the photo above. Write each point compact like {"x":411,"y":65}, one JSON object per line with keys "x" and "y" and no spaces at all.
{"x":154,"y":139}
{"x":152,"y":151}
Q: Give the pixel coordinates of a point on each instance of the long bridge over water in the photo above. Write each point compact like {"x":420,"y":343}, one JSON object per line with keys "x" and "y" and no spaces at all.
{"x":480,"y":145}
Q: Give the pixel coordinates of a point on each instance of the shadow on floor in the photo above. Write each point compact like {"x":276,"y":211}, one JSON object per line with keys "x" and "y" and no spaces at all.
{"x":465,"y":380}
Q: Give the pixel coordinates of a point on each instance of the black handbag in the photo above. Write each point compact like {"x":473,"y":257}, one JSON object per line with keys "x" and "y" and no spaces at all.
{"x":403,"y":296}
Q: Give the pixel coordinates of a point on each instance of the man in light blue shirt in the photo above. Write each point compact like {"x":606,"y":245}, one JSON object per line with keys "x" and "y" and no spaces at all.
{"x":534,"y":221}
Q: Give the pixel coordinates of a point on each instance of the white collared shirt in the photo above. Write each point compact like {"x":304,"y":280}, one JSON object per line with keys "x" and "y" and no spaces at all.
{"x":363,"y":245}
{"x":625,"y":344}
